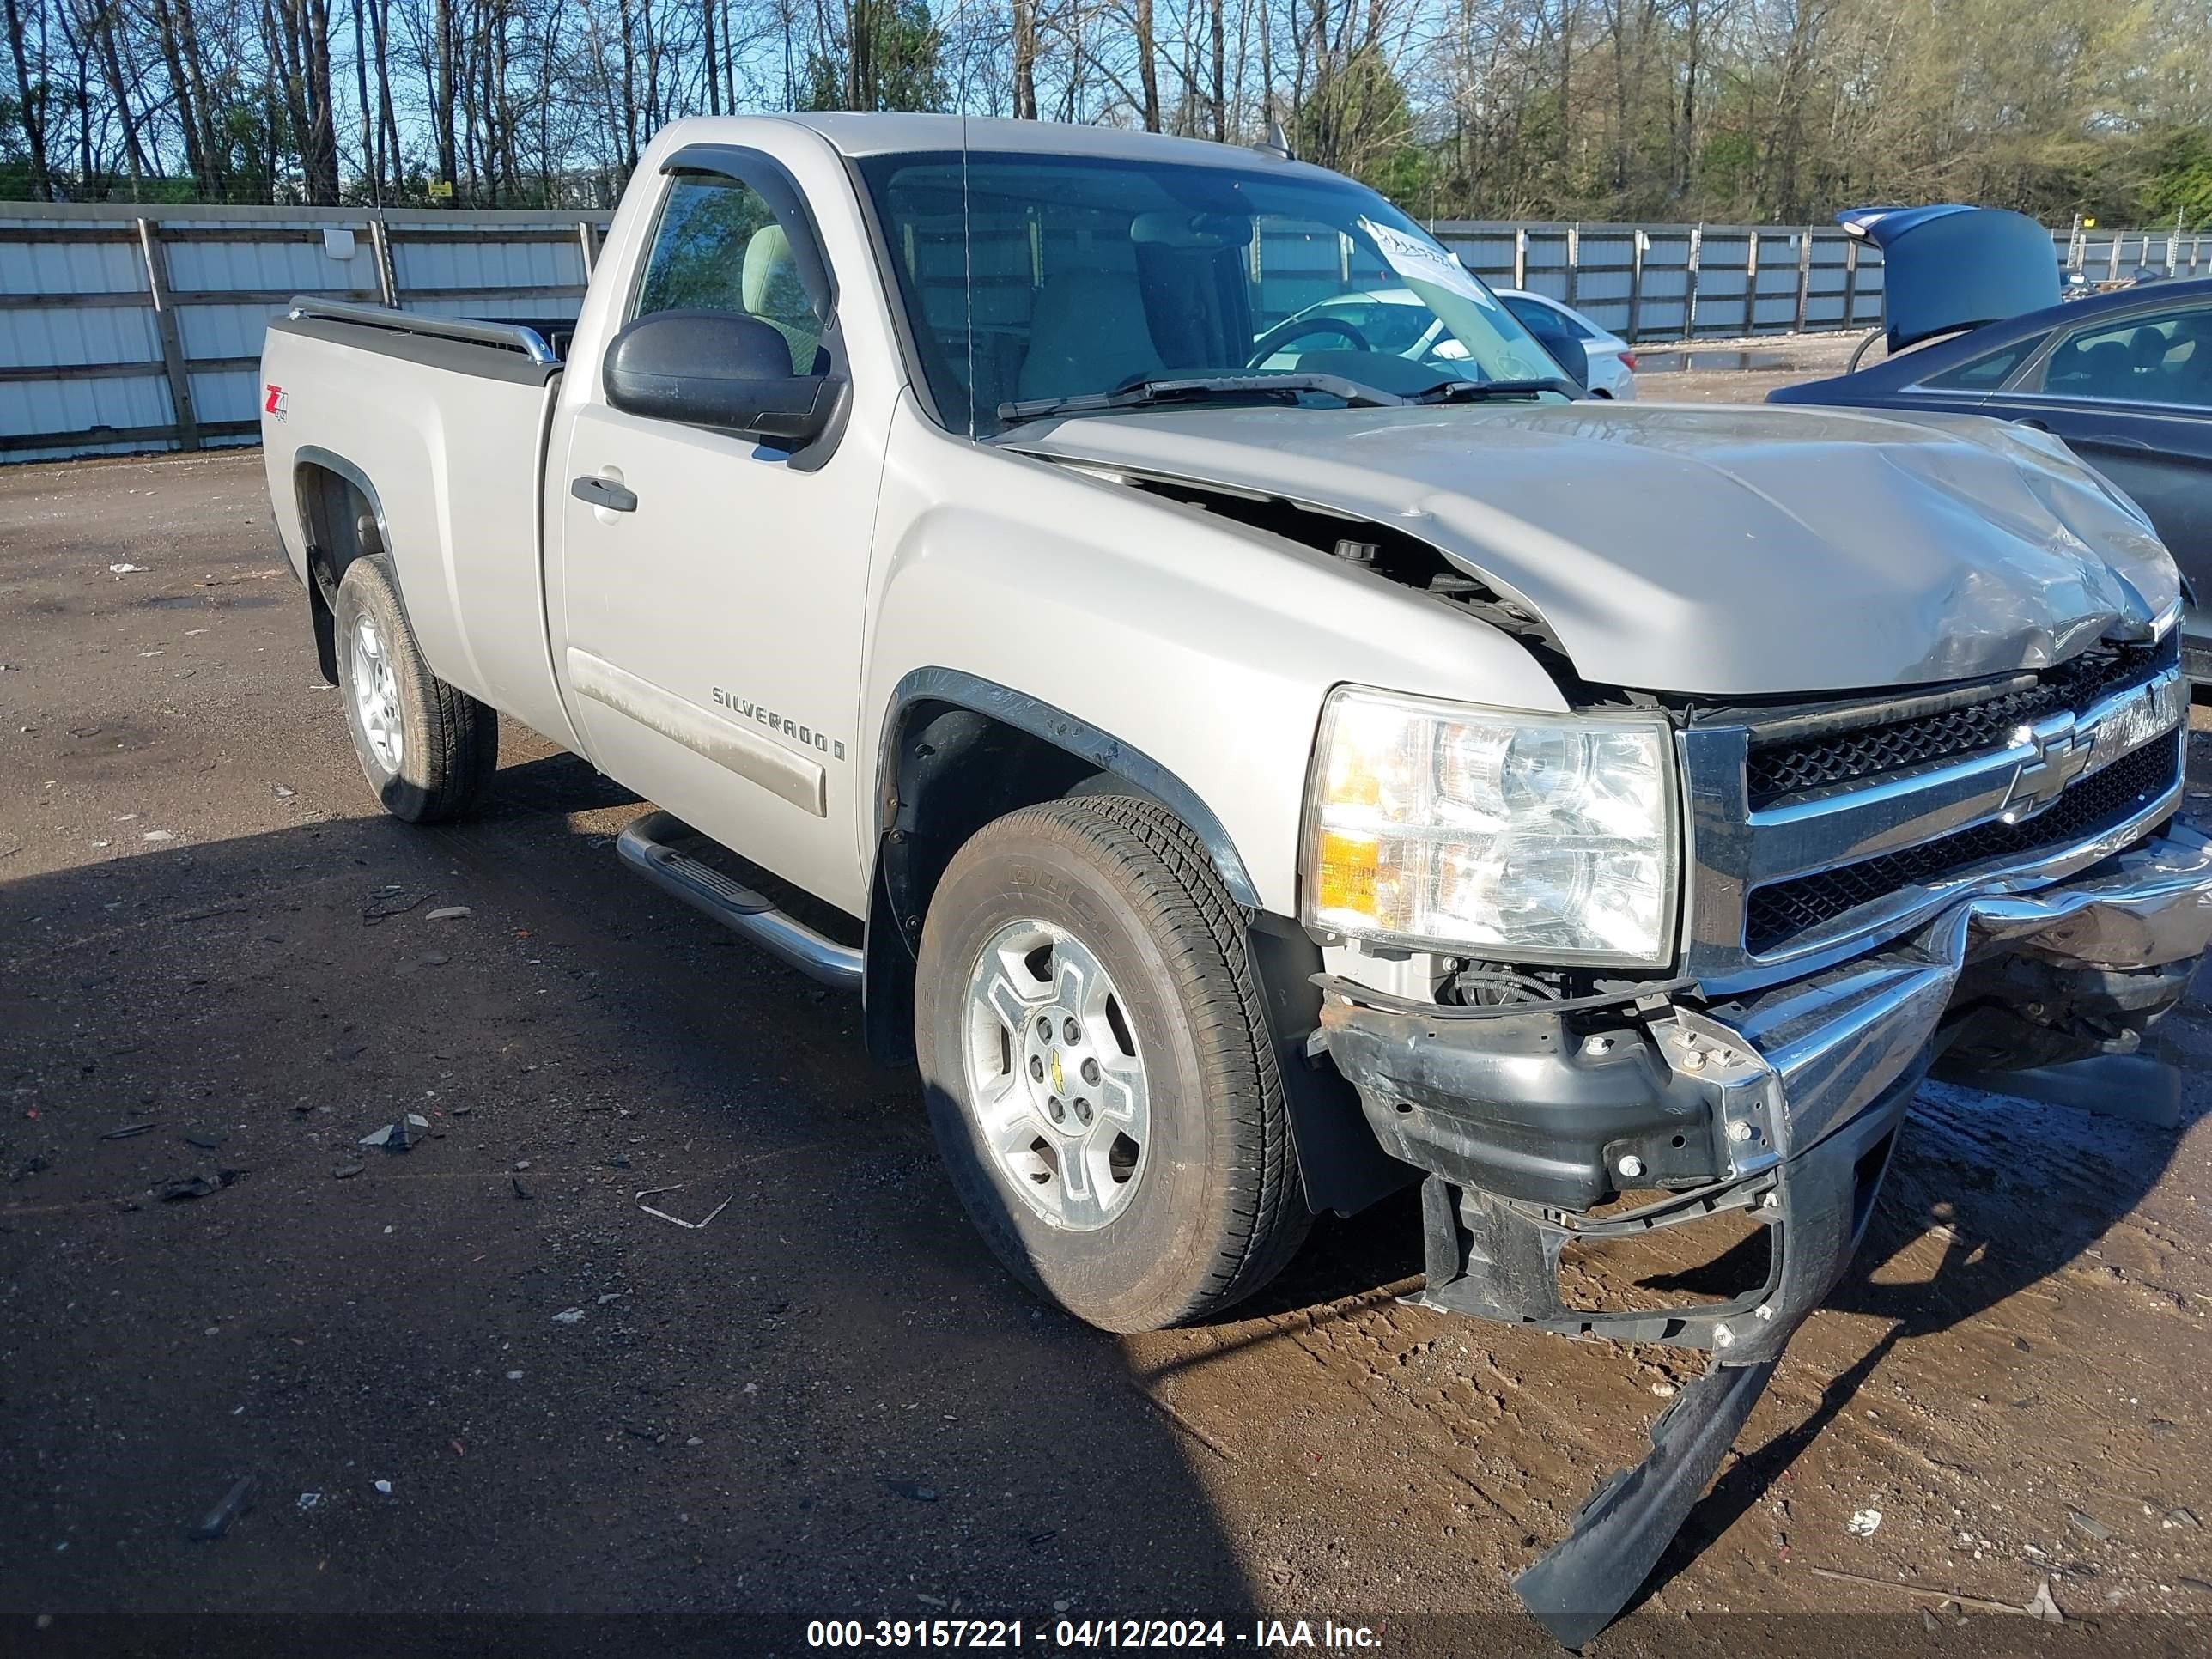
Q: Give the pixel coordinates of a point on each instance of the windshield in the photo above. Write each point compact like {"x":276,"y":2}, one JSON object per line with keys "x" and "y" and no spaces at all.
{"x":1060,"y":276}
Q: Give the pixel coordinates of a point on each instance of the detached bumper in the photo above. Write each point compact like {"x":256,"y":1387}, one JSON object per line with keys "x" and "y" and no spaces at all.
{"x":1526,"y":1117}
{"x":1782,"y":1106}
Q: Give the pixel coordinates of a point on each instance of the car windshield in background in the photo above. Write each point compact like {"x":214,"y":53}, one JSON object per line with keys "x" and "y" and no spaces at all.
{"x":1036,"y":278}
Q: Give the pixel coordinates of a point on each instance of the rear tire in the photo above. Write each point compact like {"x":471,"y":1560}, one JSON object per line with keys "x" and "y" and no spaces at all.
{"x":428,"y":749}
{"x":1097,"y":1067}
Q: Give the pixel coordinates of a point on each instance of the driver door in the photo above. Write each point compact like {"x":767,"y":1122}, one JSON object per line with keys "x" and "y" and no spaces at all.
{"x":714,"y":583}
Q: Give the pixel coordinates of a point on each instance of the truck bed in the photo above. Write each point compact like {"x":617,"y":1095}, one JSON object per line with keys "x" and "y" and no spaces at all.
{"x":440,"y":425}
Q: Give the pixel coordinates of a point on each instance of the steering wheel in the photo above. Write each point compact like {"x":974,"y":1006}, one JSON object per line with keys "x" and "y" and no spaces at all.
{"x":1297,"y":328}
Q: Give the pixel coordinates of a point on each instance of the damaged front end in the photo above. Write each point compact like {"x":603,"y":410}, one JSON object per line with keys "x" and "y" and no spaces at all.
{"x":1762,"y":1088}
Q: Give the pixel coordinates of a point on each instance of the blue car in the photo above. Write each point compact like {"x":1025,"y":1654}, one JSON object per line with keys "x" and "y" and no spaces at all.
{"x":1976,"y":326}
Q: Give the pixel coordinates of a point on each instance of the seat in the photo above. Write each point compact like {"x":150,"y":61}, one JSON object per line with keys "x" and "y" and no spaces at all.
{"x":2150,"y":347}
{"x":1088,"y":333}
{"x":772,"y":291}
{"x":2186,"y":377}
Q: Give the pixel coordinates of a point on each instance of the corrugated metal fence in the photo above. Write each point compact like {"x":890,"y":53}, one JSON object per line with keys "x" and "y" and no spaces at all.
{"x":121,"y":332}
{"x":1673,"y":282}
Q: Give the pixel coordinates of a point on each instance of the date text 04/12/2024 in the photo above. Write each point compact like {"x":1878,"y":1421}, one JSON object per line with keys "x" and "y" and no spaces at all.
{"x":1268,"y":1635}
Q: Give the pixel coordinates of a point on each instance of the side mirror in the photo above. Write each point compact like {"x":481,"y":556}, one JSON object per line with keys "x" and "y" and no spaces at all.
{"x":720,"y":369}
{"x":1555,"y":337}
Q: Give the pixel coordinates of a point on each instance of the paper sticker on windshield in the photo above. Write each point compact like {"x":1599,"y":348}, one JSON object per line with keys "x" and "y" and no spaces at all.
{"x":1419,"y":261}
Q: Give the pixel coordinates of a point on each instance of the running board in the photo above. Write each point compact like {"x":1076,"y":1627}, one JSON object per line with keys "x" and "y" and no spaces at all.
{"x":647,"y":848}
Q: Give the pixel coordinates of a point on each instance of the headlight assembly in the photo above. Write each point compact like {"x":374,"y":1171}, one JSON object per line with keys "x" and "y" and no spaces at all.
{"x":1441,"y":826}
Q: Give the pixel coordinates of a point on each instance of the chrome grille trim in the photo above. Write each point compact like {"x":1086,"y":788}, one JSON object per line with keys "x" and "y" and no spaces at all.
{"x":1735,"y":849}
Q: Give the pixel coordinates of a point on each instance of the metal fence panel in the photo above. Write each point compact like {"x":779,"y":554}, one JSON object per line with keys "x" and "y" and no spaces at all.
{"x":120,"y":331}
{"x":125,"y":330}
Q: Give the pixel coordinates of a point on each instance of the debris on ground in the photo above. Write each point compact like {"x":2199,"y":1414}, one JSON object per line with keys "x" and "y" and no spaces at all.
{"x":654,"y":1192}
{"x":2040,"y":1606}
{"x":129,"y":1129}
{"x":198,"y":1186}
{"x":346,"y":1171}
{"x":520,"y":1191}
{"x":282,"y":792}
{"x":158,"y":834}
{"x":383,"y":1486}
{"x":234,"y":1503}
{"x":448,"y":912}
{"x":206,"y":1139}
{"x":570,"y":1316}
{"x":393,"y":900}
{"x":308,"y":1500}
{"x":2090,"y":1524}
{"x":918,"y":1493}
{"x":398,"y":1135}
{"x":2181,"y":1517}
{"x":126,"y":568}
{"x":1864,"y":1524}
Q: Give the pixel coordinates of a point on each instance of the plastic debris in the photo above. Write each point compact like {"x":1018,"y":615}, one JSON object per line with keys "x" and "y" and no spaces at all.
{"x":129,"y":1129}
{"x":198,"y":1186}
{"x":308,"y":1500}
{"x":398,"y":1135}
{"x":125,"y":569}
{"x":2181,"y":1517}
{"x":448,"y":912}
{"x":2040,"y":1606}
{"x":570,"y":1316}
{"x":2090,"y":1524}
{"x":520,"y":1191}
{"x":346,"y":1171}
{"x":384,"y":1486}
{"x":695,"y":1227}
{"x":158,"y":834}
{"x":282,"y":792}
{"x":234,"y":1503}
{"x":1864,"y":1524}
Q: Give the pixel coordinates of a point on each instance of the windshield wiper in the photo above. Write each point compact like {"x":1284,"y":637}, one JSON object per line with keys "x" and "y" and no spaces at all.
{"x":1475,"y":391}
{"x":1147,"y":394}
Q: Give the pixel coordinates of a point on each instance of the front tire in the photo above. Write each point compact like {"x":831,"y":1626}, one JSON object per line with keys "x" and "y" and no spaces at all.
{"x":1097,"y":1067}
{"x":428,"y":749}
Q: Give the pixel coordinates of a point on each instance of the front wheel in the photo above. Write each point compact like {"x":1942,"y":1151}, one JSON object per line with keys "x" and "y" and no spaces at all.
{"x":428,"y":749}
{"x":1097,"y":1067}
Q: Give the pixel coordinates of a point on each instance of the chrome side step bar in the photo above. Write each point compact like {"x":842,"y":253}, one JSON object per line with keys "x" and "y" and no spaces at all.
{"x":646,"y":848}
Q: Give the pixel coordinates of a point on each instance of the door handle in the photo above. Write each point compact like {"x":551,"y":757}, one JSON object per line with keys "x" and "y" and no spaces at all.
{"x":603,"y":492}
{"x":2039,"y":426}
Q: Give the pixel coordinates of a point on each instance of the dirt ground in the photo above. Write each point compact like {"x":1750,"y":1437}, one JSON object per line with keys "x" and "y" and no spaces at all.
{"x":477,"y":1379}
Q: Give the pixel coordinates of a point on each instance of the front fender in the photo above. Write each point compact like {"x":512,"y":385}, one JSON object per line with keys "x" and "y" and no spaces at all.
{"x":1204,"y":647}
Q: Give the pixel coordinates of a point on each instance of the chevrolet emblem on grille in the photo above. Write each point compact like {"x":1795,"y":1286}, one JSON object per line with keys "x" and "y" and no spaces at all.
{"x":2062,"y":751}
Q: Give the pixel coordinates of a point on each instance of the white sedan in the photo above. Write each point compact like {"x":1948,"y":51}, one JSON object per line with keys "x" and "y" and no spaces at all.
{"x":1612,"y":358}
{"x":1396,"y":321}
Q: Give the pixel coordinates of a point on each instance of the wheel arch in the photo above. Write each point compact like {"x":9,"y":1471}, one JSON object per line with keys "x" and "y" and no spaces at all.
{"x":956,"y":751}
{"x":340,"y":520}
{"x":995,"y":750}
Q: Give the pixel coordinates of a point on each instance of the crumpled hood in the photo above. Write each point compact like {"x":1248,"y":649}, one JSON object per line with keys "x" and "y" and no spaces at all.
{"x":1729,"y":552}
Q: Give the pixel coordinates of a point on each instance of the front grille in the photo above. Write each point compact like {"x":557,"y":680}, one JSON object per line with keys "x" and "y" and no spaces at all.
{"x":1775,"y":914}
{"x":1776,"y":770}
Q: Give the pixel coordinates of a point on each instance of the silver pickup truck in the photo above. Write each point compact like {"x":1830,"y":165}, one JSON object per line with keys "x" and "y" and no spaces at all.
{"x":1140,"y":613}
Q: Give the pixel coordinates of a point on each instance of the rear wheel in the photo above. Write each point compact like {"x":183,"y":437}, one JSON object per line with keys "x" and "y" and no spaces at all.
{"x":1097,"y":1067}
{"x":426,"y":748}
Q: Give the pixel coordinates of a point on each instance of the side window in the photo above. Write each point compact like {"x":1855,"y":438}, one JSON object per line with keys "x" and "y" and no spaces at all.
{"x":1985,"y":374}
{"x":718,"y":248}
{"x":1534,"y":313}
{"x":2161,"y":357}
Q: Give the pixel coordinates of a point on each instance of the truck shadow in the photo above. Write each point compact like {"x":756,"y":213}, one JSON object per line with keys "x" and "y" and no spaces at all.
{"x":882,"y":1419}
{"x":827,"y":1402}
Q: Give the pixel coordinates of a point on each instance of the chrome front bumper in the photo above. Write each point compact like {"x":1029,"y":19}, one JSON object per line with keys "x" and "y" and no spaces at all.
{"x":1799,"y":1090}
{"x":1526,"y":1118}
